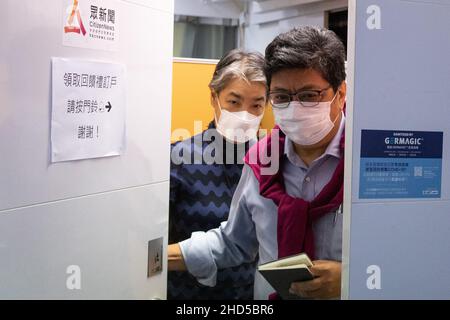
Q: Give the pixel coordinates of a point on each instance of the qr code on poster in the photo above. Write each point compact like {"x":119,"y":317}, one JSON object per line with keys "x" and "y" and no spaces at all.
{"x":418,"y":171}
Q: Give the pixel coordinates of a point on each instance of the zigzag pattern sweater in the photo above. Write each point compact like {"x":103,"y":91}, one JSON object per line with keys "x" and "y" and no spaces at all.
{"x":200,"y":197}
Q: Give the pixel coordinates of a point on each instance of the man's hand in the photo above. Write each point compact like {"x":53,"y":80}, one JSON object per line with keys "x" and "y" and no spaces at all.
{"x":175,"y":257}
{"x":325,"y":285}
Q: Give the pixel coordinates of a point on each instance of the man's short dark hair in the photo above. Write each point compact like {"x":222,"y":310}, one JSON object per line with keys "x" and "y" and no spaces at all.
{"x":307,"y":48}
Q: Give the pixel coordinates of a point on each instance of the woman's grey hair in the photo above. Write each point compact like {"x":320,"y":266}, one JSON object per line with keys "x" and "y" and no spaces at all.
{"x":308,"y":48}
{"x":238,"y":64}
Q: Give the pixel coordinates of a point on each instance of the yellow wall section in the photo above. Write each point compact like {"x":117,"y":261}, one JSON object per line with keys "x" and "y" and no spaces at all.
{"x":191,"y":99}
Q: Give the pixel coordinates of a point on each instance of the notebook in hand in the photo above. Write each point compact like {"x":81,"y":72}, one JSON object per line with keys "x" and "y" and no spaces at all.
{"x":281,"y":273}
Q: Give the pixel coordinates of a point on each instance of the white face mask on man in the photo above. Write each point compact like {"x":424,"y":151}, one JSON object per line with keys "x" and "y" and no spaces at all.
{"x":239,"y":126}
{"x":305,"y":125}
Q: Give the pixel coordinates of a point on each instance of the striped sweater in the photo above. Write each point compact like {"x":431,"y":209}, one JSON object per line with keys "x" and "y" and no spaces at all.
{"x":200,"y":197}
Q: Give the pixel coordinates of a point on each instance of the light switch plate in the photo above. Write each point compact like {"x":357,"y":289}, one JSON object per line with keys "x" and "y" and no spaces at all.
{"x":155,"y":257}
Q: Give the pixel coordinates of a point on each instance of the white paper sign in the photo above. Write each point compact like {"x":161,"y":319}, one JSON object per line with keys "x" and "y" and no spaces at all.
{"x":91,"y":24}
{"x":88,"y":109}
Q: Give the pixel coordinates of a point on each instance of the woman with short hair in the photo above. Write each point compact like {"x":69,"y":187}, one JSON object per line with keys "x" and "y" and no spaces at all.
{"x":201,"y":191}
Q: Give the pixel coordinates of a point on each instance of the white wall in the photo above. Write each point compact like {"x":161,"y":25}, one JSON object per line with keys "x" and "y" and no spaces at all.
{"x":263,"y":26}
{"x":205,"y":8}
{"x":384,"y":234}
{"x":98,"y":214}
{"x":261,"y":21}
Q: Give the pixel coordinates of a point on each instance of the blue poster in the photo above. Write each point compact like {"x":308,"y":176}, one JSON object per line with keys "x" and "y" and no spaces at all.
{"x":400,"y":164}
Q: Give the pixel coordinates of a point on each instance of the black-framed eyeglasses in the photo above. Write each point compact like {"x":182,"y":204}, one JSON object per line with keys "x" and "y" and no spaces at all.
{"x":307,"y":98}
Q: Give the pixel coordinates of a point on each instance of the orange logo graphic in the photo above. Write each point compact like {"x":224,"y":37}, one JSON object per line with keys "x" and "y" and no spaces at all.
{"x":69,"y":27}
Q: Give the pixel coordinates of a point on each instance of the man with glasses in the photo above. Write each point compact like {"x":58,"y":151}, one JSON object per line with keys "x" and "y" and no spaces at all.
{"x":297,"y":208}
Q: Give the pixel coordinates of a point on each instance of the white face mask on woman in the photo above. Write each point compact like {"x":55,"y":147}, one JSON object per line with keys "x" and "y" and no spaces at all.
{"x":239,"y":126}
{"x":305,"y":125}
